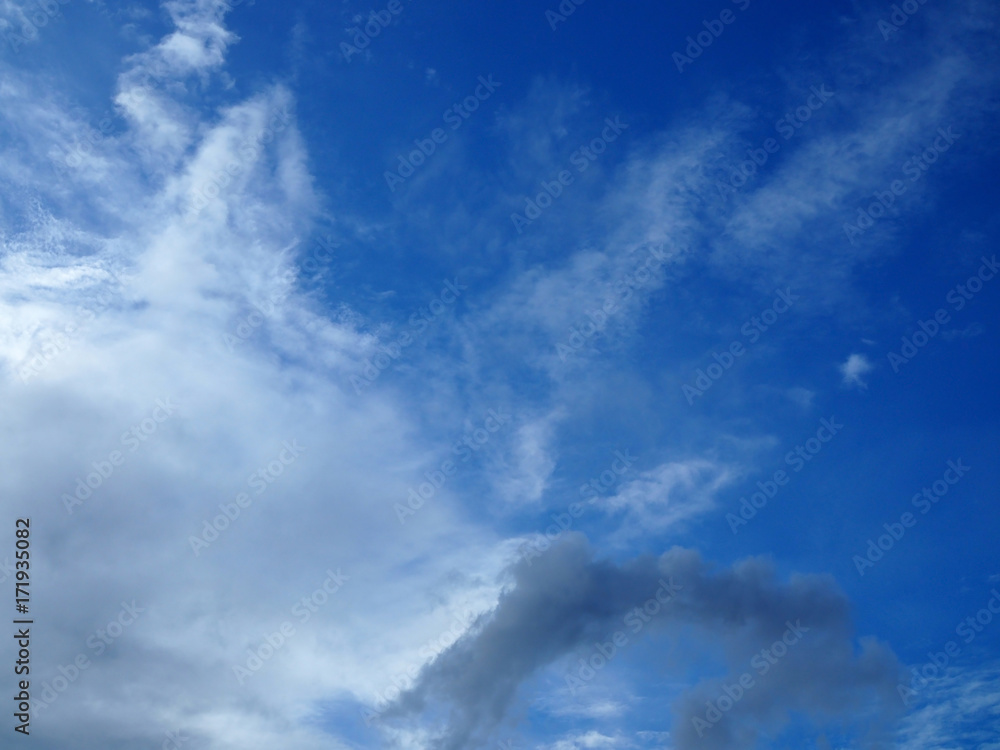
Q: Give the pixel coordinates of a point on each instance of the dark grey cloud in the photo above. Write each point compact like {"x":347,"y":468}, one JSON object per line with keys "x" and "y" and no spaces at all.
{"x":568,"y":599}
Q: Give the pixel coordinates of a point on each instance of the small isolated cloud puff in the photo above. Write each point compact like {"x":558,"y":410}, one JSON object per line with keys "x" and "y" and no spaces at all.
{"x":855,"y":369}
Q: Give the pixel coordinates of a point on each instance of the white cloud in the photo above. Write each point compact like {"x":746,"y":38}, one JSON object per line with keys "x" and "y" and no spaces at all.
{"x":855,"y":369}
{"x":666,"y":496}
{"x":158,"y":282}
{"x":956,"y":709}
{"x":592,"y":740}
{"x":524,"y":476}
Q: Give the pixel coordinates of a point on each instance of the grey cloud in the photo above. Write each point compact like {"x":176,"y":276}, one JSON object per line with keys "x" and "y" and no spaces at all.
{"x":567,"y":599}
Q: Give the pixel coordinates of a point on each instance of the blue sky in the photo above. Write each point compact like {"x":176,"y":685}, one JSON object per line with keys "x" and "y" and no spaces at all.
{"x":366,"y":367}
